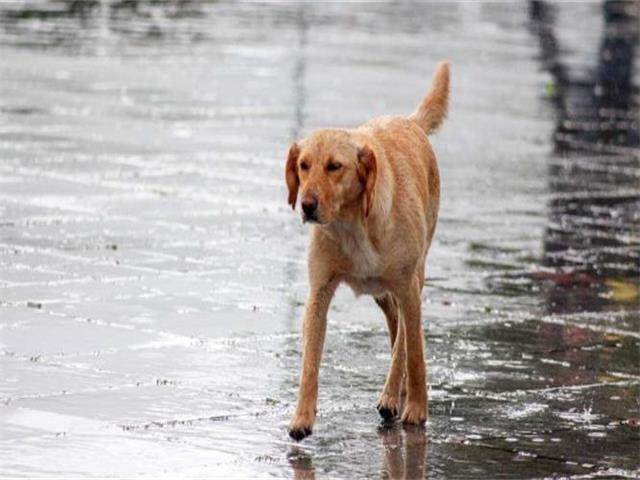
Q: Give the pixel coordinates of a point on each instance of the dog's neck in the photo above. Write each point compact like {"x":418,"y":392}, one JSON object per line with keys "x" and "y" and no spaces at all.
{"x":357,"y":244}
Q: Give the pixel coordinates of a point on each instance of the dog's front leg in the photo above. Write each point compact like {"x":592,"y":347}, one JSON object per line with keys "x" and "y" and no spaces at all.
{"x":313,"y":333}
{"x":415,"y":409}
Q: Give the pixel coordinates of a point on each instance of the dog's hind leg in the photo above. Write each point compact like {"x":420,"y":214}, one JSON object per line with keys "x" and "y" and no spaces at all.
{"x":390,"y":309}
{"x":389,"y":403}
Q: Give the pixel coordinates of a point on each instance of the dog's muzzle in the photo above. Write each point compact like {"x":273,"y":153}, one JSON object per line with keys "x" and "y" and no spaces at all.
{"x":309,"y":206}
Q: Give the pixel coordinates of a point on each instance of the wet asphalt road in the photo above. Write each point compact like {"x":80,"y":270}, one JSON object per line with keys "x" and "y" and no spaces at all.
{"x":152,"y":276}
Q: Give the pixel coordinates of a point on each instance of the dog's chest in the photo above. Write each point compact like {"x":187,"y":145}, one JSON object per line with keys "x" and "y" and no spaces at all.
{"x":366,"y":285}
{"x":364,"y":275}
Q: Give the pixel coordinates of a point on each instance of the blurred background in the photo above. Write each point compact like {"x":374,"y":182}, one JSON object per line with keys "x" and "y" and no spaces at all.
{"x":152,"y":276}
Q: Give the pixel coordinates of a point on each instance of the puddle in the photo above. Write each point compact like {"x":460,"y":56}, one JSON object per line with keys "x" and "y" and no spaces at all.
{"x":152,"y":276}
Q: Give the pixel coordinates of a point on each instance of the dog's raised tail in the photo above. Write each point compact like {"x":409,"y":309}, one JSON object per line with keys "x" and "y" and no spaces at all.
{"x":433,"y":109}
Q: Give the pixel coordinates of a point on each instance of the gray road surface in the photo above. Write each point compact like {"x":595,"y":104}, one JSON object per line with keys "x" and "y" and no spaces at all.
{"x":152,"y":276}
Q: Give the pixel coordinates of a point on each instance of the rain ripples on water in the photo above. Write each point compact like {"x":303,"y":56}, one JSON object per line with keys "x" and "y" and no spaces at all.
{"x":152,"y":277}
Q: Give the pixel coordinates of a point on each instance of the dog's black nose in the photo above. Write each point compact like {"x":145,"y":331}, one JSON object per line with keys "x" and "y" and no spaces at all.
{"x":309,"y":206}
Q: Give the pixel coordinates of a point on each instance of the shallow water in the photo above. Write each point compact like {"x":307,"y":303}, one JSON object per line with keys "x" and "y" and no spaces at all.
{"x":152,"y":277}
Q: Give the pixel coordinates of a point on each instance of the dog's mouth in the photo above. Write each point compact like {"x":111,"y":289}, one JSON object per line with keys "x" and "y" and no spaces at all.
{"x":312,"y":218}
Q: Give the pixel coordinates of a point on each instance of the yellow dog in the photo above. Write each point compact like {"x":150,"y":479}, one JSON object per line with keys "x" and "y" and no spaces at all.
{"x":372,"y":194}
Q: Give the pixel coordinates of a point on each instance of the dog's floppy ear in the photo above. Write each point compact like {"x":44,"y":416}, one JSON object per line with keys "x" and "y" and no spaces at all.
{"x":367,"y":170}
{"x":291,"y":174}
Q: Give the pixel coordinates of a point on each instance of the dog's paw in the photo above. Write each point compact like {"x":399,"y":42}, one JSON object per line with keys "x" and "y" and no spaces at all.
{"x":299,"y":433}
{"x":388,"y":407}
{"x":301,"y":426}
{"x":415,"y":413}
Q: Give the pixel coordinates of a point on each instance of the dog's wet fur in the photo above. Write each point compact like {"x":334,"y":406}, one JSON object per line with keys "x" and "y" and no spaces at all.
{"x":371,"y":195}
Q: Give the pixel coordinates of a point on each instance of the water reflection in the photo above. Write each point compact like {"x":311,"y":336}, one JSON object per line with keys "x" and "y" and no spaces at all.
{"x":302,"y":464}
{"x":405,"y":452}
{"x":82,"y":25}
{"x":83,"y":9}
{"x":591,"y":242}
{"x":497,"y":382}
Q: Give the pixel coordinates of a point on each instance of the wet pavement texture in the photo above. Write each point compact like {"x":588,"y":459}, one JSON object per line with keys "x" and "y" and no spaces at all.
{"x":152,"y":276}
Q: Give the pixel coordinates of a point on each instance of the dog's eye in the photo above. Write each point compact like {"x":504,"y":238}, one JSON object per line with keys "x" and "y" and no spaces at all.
{"x":333,"y":166}
{"x":304,"y":166}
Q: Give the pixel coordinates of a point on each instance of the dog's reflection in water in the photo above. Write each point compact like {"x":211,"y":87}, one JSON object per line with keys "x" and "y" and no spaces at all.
{"x":405,"y":451}
{"x":404,"y":454}
{"x":302,"y":464}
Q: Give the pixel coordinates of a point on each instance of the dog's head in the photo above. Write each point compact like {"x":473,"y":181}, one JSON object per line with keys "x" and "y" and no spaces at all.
{"x":332,"y":173}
